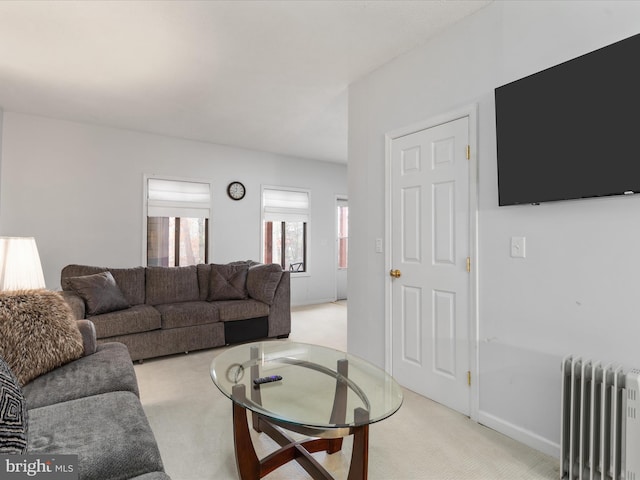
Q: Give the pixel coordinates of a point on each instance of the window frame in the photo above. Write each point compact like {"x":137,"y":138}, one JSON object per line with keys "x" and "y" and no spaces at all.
{"x":306,"y":226}
{"x":145,"y":211}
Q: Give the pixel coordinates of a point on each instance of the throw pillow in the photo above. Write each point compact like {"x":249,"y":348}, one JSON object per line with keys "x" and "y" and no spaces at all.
{"x":263,"y":280}
{"x":37,"y":332}
{"x":99,"y":292}
{"x":13,"y":413}
{"x":228,"y":282}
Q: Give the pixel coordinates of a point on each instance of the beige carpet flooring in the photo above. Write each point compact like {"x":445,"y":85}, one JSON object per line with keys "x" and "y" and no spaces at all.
{"x":422,"y":441}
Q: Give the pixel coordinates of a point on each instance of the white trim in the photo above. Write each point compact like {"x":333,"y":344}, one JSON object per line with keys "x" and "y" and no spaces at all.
{"x":471,"y":112}
{"x":317,"y":301}
{"x":520,"y":434}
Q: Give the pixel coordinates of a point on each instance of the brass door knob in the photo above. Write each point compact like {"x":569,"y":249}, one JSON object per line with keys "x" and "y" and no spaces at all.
{"x":395,"y":273}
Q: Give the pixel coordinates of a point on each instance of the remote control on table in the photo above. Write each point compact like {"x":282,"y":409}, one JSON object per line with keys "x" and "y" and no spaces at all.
{"x":272,"y":378}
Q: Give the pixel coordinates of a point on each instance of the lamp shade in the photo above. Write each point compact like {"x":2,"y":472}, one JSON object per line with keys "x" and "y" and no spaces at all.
{"x":20,"y":267}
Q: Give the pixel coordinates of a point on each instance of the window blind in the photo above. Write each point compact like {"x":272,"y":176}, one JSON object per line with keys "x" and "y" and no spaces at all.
{"x":178,"y":198}
{"x":285,"y":205}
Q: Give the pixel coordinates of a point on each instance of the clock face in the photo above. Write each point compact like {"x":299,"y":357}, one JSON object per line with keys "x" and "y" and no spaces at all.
{"x":236,"y":190}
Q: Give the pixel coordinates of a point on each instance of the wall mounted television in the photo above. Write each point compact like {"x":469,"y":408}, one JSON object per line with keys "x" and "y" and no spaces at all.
{"x":573,"y":130}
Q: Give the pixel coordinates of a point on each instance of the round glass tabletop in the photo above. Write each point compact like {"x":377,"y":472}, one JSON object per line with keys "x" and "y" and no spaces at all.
{"x":311,"y":386}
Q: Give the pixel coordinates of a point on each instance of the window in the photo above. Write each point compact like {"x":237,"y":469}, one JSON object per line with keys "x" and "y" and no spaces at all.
{"x":343,"y":233}
{"x":285,"y":218}
{"x":177,"y":222}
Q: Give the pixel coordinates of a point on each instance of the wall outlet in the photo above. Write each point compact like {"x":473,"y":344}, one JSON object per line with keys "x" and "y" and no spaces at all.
{"x":518,"y":247}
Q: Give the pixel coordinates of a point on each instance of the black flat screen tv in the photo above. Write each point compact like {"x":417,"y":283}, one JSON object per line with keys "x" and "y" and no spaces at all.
{"x":573,"y":130}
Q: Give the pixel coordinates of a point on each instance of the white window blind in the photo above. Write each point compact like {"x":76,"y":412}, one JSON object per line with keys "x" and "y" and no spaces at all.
{"x":178,"y":198}
{"x":285,"y":205}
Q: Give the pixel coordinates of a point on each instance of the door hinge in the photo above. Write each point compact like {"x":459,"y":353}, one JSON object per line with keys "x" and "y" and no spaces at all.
{"x":468,"y":152}
{"x":469,"y":377}
{"x":468,"y":264}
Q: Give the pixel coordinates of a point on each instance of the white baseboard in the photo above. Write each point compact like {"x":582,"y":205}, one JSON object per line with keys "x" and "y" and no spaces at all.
{"x":520,"y":434}
{"x":315,"y":301}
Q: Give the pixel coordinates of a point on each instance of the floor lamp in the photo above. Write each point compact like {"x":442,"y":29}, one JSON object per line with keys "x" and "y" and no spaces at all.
{"x":20,"y":267}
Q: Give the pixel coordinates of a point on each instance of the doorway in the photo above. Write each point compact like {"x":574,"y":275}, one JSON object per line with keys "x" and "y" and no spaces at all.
{"x":342,"y":246}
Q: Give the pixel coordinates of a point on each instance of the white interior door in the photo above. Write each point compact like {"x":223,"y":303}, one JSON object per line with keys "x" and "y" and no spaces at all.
{"x":430,"y":246}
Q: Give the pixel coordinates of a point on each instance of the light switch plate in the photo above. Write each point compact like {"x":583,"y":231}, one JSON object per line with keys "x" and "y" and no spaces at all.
{"x":518,"y":247}
{"x":378,"y":245}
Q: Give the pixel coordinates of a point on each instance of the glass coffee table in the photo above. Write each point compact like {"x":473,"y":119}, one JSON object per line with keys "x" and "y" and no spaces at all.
{"x":316,"y":391}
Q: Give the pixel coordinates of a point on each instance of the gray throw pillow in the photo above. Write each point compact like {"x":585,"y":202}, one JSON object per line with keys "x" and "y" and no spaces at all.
{"x":100,"y":293}
{"x":13,"y":413}
{"x":263,"y":280}
{"x":228,"y":282}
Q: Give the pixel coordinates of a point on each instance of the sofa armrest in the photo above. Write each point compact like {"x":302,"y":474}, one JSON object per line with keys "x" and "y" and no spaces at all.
{"x":89,"y":341}
{"x":280,"y":309}
{"x":75,"y":302}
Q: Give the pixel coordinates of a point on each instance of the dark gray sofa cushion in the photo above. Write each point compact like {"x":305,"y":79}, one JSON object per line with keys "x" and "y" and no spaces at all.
{"x":109,"y":369}
{"x":172,"y":284}
{"x":109,"y":432}
{"x":241,"y":309}
{"x":100,"y":293}
{"x":186,"y":314}
{"x":204,"y":275}
{"x":228,"y":282}
{"x":129,"y":280}
{"x":139,"y":318}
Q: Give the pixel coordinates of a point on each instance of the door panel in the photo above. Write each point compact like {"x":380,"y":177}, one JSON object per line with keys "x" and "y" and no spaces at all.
{"x":412,"y":325}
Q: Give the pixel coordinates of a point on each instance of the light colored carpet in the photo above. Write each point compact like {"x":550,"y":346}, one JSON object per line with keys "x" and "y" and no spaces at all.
{"x":422,"y":441}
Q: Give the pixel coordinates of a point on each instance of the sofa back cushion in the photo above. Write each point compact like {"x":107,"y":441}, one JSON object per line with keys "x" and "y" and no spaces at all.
{"x":130,"y":280}
{"x":172,"y":285}
{"x":204,"y":278}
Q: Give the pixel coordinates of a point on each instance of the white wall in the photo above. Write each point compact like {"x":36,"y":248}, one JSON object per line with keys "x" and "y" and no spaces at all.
{"x":78,"y":189}
{"x":577,"y":290}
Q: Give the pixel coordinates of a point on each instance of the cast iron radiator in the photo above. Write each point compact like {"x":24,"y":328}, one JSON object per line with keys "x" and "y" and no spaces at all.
{"x":600,"y":436}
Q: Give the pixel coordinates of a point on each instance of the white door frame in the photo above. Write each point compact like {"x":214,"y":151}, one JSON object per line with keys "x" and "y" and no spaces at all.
{"x":470,"y":111}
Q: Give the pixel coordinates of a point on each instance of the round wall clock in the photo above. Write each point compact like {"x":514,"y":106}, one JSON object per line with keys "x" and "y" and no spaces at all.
{"x":236,"y":190}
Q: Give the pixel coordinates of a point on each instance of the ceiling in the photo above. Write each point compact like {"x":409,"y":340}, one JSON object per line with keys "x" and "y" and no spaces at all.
{"x":264,"y":75}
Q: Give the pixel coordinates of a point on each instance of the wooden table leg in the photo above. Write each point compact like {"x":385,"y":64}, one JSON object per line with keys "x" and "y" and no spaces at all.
{"x":246,"y":458}
{"x":339,"y":411}
{"x":360,"y":456}
{"x":251,"y":468}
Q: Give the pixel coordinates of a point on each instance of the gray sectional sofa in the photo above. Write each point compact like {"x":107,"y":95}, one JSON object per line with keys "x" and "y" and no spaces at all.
{"x":89,"y":407}
{"x":86,"y":406}
{"x":158,"y":311}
